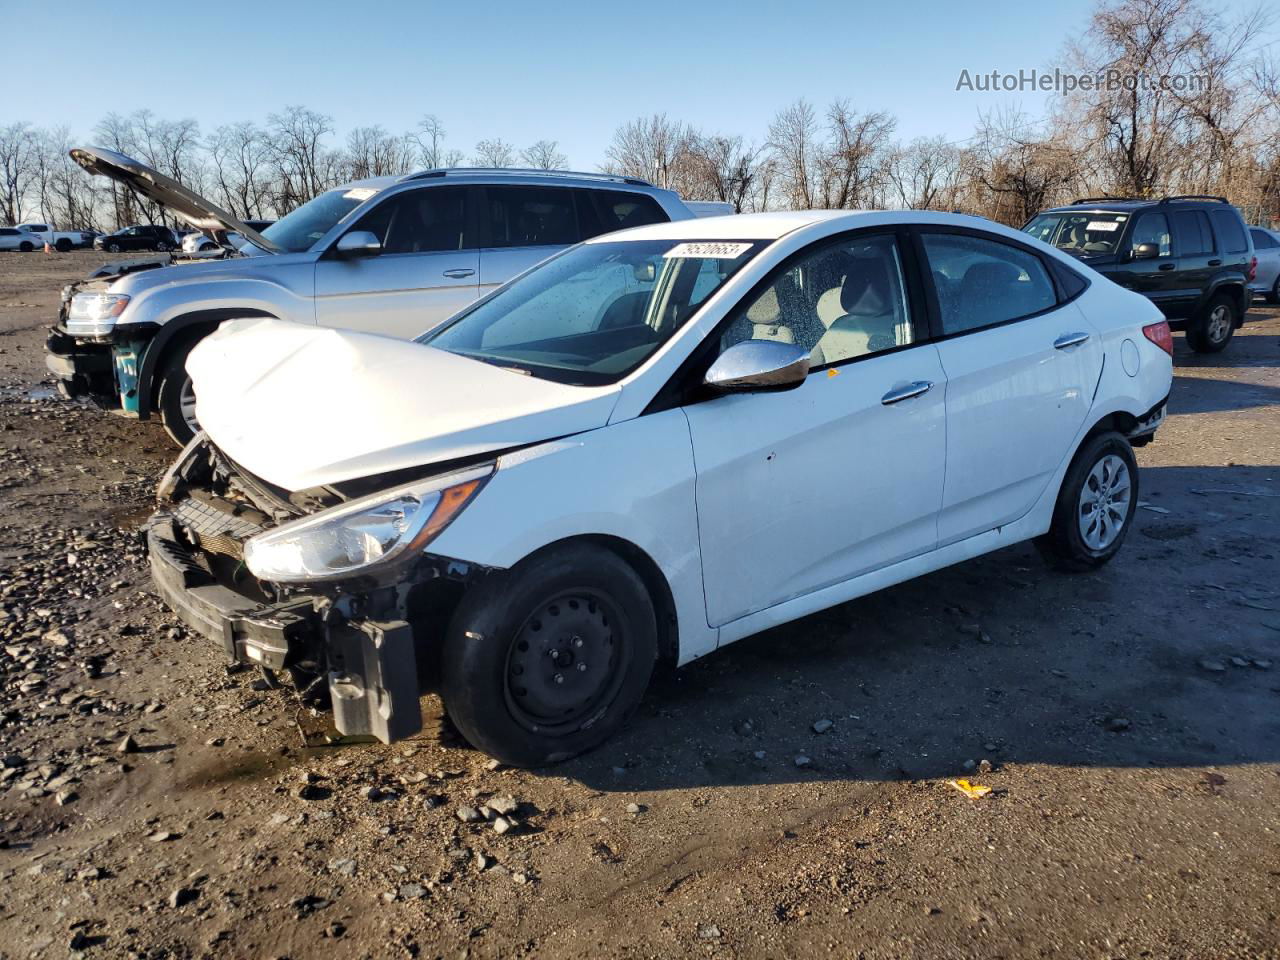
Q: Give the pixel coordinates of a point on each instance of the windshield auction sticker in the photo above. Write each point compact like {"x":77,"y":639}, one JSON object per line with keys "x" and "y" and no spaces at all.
{"x":1104,"y":225}
{"x":359,"y":193}
{"x":709,"y":251}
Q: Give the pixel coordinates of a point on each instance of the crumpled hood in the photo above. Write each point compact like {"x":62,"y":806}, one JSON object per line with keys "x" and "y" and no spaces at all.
{"x":303,"y":406}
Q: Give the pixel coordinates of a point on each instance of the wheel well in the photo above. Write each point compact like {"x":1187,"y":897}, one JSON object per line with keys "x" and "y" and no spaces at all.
{"x":1119,"y":421}
{"x":664,"y":605}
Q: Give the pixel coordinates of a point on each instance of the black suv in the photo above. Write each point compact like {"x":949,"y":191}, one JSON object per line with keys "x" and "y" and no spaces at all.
{"x":143,"y":237}
{"x":1190,"y":255}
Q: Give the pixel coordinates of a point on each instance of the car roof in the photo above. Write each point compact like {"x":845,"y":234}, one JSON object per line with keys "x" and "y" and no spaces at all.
{"x":771,"y":226}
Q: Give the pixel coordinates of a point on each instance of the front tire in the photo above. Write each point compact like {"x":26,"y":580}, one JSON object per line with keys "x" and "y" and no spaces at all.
{"x":1212,"y":330}
{"x":1095,"y":507}
{"x":176,"y":398}
{"x":547,"y":660}
{"x":25,"y":247}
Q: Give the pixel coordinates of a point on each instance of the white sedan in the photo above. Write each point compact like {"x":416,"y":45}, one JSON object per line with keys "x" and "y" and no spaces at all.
{"x":647,"y":447}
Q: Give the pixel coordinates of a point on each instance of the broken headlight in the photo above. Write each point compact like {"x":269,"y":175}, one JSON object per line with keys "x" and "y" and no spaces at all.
{"x":373,"y":531}
{"x":95,"y":313}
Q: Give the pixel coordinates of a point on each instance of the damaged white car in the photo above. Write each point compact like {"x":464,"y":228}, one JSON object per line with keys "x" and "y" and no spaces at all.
{"x":655,"y":443}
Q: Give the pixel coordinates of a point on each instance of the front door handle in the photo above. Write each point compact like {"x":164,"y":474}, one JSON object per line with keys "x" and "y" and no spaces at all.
{"x":458,"y":273}
{"x":1070,"y":340}
{"x":898,"y":394}
{"x":1168,"y":266}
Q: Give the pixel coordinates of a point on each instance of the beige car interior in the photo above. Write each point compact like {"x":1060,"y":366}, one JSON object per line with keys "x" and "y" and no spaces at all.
{"x":845,"y":304}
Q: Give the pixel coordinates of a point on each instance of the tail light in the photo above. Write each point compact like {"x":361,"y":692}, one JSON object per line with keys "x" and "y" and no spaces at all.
{"x":1253,"y":269}
{"x":1160,"y":335}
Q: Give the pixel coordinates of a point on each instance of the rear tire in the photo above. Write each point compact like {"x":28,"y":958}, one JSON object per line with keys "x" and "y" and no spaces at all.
{"x":549,"y":659}
{"x":25,"y":247}
{"x":162,"y":247}
{"x":1095,"y":507}
{"x":1212,"y":330}
{"x":1274,"y":295}
{"x":63,"y":245}
{"x":175,"y":400}
{"x":113,"y":247}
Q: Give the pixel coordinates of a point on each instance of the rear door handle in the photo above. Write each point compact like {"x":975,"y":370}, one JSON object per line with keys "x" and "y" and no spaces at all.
{"x":1070,"y":340}
{"x":1168,"y":266}
{"x":898,"y":394}
{"x":1215,"y":263}
{"x":459,"y":273}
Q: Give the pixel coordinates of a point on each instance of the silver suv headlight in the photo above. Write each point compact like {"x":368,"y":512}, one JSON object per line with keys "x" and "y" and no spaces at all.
{"x":365,"y":535}
{"x":94,"y":314}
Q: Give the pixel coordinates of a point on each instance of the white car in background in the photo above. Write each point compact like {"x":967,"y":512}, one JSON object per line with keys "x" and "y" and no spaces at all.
{"x":1266,"y":248}
{"x":60,"y":240}
{"x":655,"y":443}
{"x":198,"y":241}
{"x":16,"y":238}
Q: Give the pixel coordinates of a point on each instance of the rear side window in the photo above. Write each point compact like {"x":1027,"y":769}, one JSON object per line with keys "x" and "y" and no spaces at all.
{"x":981,"y":282}
{"x":1230,"y":231}
{"x":604,"y":211}
{"x":8,"y":232}
{"x":1263,"y":240}
{"x":1194,"y":237}
{"x":531,"y":216}
{"x":1152,"y":228}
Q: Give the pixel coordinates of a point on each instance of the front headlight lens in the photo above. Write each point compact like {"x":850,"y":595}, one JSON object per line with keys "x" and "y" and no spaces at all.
{"x":373,"y":531}
{"x":95,"y":312}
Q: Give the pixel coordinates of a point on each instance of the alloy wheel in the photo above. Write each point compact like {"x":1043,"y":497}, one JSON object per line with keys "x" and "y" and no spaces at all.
{"x":1219,"y":326}
{"x":1104,"y":502}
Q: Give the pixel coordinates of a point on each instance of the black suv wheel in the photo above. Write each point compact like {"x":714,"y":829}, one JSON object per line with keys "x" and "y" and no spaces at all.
{"x":1212,"y":330}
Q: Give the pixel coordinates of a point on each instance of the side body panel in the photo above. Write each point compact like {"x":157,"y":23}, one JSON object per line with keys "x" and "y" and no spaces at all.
{"x":633,"y":481}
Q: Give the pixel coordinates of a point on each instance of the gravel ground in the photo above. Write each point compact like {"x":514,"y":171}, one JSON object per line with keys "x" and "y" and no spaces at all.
{"x":154,"y":804}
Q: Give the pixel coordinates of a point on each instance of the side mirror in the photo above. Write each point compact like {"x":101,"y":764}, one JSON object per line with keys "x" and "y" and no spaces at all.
{"x":758,"y":365}
{"x":358,"y":243}
{"x":1146,"y":251}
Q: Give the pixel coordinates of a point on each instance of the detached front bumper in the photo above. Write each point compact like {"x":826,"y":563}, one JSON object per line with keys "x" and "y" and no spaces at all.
{"x":371,"y":665}
{"x":83,"y":368}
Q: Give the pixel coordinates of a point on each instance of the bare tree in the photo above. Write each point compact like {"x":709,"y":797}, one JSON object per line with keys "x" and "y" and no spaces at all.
{"x":16,"y":155}
{"x":651,"y":148}
{"x":544,"y":155}
{"x":794,"y":142}
{"x":372,"y":152}
{"x":724,"y":168}
{"x":303,"y":166}
{"x":494,"y":153}
{"x":240,"y":158}
{"x":853,"y":162}
{"x":925,"y":174}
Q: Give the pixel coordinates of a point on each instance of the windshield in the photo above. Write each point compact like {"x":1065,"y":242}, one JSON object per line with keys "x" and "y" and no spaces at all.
{"x":1085,"y":234}
{"x":299,"y":230}
{"x":596,"y":312}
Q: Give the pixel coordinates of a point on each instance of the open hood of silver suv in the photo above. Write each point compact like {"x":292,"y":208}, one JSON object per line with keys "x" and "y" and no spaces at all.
{"x":155,"y":186}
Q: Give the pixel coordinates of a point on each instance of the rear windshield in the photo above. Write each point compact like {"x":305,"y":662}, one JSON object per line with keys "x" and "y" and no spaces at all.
{"x":299,"y":230}
{"x":1084,"y":233}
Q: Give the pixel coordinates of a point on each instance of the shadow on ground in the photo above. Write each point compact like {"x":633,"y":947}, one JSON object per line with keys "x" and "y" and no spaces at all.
{"x":1162,"y":658}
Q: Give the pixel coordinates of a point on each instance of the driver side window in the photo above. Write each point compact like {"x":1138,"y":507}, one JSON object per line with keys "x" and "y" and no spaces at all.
{"x":1152,"y":228}
{"x":427,"y":220}
{"x":843,"y":301}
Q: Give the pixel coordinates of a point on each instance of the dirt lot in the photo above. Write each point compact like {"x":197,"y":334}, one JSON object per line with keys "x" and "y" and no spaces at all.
{"x":1131,"y":717}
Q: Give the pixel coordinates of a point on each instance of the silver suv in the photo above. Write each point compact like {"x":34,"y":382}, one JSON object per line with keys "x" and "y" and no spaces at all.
{"x":390,"y":255}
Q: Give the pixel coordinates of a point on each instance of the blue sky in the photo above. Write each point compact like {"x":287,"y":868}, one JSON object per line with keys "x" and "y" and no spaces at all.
{"x":570,"y":72}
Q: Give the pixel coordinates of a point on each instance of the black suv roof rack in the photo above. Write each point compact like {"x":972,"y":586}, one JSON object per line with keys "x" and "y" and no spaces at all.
{"x":526,"y":171}
{"x":1108,"y":200}
{"x":1195,"y":196}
